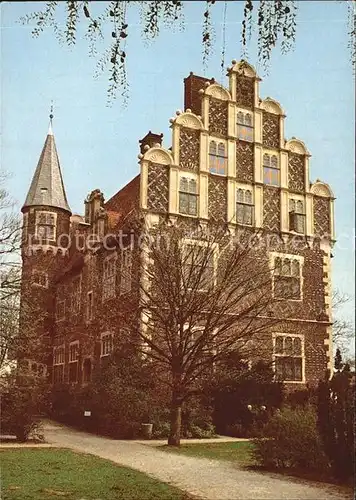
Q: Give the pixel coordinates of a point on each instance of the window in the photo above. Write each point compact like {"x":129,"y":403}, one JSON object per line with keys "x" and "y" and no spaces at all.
{"x":35,"y":368}
{"x":244,"y":207}
{"x":46,"y":225}
{"x":87,"y":370}
{"x":288,"y":357}
{"x":90,"y":306}
{"x":296,"y":216}
{"x":287,"y":278}
{"x":60,"y":309}
{"x":24,"y":227}
{"x":107,"y":344}
{"x":40,"y":278}
{"x":76,"y":295}
{"x":126,"y":270}
{"x":109,"y":277}
{"x":198,"y":265}
{"x":271,"y":170}
{"x":188,"y":196}
{"x":217,"y":158}
{"x":245,"y":126}
{"x":58,"y":364}
{"x":73,"y":361}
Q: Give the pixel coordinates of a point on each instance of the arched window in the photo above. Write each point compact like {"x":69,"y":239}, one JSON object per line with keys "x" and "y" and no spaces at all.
{"x":296,"y":216}
{"x":287,"y":278}
{"x":217,"y":158}
{"x":288,"y":357}
{"x":188,"y":196}
{"x":271,"y":174}
{"x":244,"y":123}
{"x":244,"y":207}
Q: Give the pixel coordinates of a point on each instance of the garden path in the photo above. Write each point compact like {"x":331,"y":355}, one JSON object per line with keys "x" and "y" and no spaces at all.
{"x":201,"y":477}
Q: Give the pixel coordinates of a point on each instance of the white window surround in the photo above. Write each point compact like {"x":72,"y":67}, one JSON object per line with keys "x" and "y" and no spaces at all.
{"x":202,"y":243}
{"x":58,"y":355}
{"x":299,"y":258}
{"x":297,"y":198}
{"x":106,"y":344}
{"x":245,"y":188}
{"x":214,"y":156}
{"x":50,"y":221}
{"x":189,"y":176}
{"x":74,"y":351}
{"x":302,"y":340}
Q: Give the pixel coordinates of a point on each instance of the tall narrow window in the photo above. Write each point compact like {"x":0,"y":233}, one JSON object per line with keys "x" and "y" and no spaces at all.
{"x":188,"y":196}
{"x":58,"y":364}
{"x":288,"y":358}
{"x":287,"y":278}
{"x":126,"y":270}
{"x":296,"y":216}
{"x":244,"y":207}
{"x":109,"y":277}
{"x":46,"y":225}
{"x":73,"y":361}
{"x":271,"y":173}
{"x":199,"y":266}
{"x":90,"y":306}
{"x":107,"y":344}
{"x":76,"y":295}
{"x":24,"y":227}
{"x":217,"y":158}
{"x":245,"y":126}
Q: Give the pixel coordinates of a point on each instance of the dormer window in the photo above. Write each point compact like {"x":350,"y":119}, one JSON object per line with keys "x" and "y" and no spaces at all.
{"x":271,"y":171}
{"x":245,"y":126}
{"x":46,"y":225}
{"x":217,"y":158}
{"x":296,"y":216}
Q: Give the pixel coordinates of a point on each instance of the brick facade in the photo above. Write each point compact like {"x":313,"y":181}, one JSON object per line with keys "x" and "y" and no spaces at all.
{"x":89,"y":288}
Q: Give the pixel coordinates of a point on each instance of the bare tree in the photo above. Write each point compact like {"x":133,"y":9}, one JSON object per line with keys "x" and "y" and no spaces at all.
{"x":343,"y":328}
{"x":274,"y":22}
{"x":203,"y":295}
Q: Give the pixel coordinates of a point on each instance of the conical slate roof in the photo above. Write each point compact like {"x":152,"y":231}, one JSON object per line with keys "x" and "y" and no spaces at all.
{"x":47,"y":186}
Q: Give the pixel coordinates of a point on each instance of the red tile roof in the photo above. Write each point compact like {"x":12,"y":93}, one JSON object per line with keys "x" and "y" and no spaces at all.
{"x":123,"y":202}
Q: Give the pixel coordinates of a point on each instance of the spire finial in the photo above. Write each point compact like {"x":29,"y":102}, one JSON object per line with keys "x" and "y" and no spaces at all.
{"x":50,"y":131}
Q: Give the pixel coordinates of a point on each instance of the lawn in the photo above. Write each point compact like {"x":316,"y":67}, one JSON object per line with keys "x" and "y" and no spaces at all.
{"x":239,"y":452}
{"x":30,"y":474}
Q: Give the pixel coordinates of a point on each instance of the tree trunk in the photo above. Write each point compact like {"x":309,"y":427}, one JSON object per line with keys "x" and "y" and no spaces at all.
{"x":176,"y":421}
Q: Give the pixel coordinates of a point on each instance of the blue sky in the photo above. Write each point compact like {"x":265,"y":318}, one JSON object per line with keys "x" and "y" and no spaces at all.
{"x":98,"y":145}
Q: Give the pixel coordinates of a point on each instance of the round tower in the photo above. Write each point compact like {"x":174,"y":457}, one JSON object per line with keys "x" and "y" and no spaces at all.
{"x":45,"y":243}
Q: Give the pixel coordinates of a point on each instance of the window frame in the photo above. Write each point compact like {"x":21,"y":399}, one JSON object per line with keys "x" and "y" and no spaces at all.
{"x":104,"y":352}
{"x":283,"y":257}
{"x":215,"y":157}
{"x":241,"y":125}
{"x":189,"y":177}
{"x":243,"y":204}
{"x":202,"y":243}
{"x":40,"y":213}
{"x":276,"y":355}
{"x":126,"y":270}
{"x":296,"y":200}
{"x":36,"y":272}
{"x":271,"y":168}
{"x":109,"y":280}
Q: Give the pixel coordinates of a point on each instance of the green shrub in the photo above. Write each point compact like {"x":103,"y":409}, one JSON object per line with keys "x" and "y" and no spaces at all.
{"x":291,"y":440}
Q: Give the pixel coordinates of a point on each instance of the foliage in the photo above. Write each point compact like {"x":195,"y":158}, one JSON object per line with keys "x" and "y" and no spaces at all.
{"x":42,"y":474}
{"x":275,"y":23}
{"x":336,"y":410}
{"x":22,"y":401}
{"x":244,"y":398}
{"x":291,"y":440}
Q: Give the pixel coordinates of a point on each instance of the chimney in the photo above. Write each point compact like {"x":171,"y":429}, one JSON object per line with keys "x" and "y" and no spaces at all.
{"x":150,"y":140}
{"x":192,"y":98}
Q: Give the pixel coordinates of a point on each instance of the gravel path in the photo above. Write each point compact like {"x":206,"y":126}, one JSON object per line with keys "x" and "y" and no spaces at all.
{"x":204,"y":478}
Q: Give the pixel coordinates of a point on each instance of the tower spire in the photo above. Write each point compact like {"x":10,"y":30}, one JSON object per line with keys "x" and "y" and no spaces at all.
{"x":47,"y":186}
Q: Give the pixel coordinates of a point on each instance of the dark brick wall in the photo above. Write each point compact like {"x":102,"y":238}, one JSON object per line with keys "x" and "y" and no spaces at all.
{"x":271,"y":209}
{"x":244,"y":161}
{"x":270,"y":130}
{"x":158,"y":188}
{"x":245,"y":91}
{"x":322,"y":224}
{"x":189,"y":148}
{"x":218,"y":117}
{"x":296,"y":172}
{"x":217,"y":198}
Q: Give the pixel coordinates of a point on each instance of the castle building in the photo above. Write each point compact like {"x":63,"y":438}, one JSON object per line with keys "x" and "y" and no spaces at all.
{"x":229,"y":162}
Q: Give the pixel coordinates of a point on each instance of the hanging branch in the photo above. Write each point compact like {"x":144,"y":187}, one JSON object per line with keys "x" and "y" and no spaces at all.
{"x":208,"y":33}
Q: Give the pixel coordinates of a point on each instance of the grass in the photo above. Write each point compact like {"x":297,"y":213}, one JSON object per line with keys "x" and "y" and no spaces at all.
{"x":43,"y":474}
{"x":239,"y":452}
